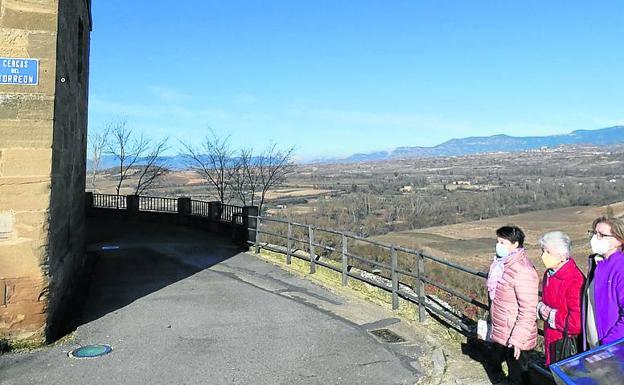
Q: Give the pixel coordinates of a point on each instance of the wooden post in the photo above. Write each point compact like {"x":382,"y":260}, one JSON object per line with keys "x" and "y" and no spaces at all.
{"x":289,"y":246}
{"x":312,"y":253}
{"x":345,"y":261}
{"x":250,"y":226}
{"x":395,"y":278}
{"x":421,"y":288}
{"x":257,"y":243}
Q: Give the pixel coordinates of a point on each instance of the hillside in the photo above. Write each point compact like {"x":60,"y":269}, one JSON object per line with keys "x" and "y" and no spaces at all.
{"x":497,"y":143}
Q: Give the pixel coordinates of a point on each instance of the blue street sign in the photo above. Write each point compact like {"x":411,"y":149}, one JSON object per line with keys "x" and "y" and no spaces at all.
{"x":19,"y":71}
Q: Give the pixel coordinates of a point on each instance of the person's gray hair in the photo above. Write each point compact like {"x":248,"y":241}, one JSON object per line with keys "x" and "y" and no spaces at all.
{"x":557,"y":241}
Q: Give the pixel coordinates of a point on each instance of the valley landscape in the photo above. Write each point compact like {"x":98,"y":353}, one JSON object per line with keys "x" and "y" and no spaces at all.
{"x":447,"y":205}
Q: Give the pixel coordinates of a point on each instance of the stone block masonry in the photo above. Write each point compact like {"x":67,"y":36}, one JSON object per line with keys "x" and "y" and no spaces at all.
{"x":43,"y":130}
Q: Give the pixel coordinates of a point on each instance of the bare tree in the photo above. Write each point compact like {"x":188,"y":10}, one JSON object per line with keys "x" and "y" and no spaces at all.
{"x":273,"y":165}
{"x":213,"y":161}
{"x":152,"y":168}
{"x":244,"y":177}
{"x":97,"y":145}
{"x":126,"y":149}
{"x":241,"y":174}
{"x":135,"y":156}
{"x":253,"y":176}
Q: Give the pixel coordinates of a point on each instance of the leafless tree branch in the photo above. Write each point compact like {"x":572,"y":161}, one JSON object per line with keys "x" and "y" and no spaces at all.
{"x":213,"y":161}
{"x":97,"y":144}
{"x":129,"y":150}
{"x":153,"y":168}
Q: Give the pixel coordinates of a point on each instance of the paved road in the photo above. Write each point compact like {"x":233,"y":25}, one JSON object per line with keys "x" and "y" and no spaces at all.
{"x":187,"y":308}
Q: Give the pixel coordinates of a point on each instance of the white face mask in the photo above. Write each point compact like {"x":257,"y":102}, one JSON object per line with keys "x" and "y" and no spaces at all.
{"x":599,"y":246}
{"x":501,"y":250}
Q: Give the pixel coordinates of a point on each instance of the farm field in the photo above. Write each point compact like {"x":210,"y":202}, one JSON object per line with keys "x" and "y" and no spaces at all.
{"x":472,"y":243}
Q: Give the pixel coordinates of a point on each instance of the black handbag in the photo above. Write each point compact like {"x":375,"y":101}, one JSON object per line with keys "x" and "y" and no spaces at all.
{"x":565,"y":347}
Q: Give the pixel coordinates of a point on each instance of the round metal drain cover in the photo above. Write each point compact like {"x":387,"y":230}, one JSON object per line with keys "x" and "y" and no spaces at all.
{"x":91,"y":351}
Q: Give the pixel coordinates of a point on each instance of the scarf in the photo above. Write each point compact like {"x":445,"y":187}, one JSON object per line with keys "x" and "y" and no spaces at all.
{"x":497,"y":268}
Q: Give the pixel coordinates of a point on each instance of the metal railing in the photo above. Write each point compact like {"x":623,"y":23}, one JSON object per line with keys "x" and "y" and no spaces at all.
{"x":109,"y":201}
{"x":221,"y":212}
{"x":159,"y":204}
{"x":231,"y":213}
{"x":409,"y":280}
{"x":396,"y":279}
{"x":200,"y":208}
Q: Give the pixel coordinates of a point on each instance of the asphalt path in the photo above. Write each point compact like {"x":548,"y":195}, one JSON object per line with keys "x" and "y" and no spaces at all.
{"x":188,"y":308}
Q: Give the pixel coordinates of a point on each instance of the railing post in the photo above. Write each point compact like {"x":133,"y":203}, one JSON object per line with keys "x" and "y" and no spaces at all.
{"x":257,"y":240}
{"x":345,"y":260}
{"x":89,"y":199}
{"x":289,"y":245}
{"x":395,"y":278}
{"x":132,"y":205}
{"x":312,"y":253}
{"x":184,"y":206}
{"x":421,"y":288}
{"x":214,"y":210}
{"x":250,"y":224}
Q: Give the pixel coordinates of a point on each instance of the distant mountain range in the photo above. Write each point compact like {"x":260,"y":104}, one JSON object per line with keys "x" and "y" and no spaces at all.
{"x":494,"y":143}
{"x":454,"y":147}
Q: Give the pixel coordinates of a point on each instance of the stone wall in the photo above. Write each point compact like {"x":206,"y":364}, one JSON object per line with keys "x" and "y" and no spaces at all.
{"x":42,"y":162}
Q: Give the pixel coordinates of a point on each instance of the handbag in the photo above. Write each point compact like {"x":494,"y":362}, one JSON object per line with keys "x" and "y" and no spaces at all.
{"x":565,"y":347}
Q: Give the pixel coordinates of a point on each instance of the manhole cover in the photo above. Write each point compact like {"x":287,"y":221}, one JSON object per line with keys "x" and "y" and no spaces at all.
{"x":387,"y":335}
{"x":90,"y":351}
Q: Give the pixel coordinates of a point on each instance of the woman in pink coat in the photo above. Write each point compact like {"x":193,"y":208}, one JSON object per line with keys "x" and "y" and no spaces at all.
{"x":512,"y":287}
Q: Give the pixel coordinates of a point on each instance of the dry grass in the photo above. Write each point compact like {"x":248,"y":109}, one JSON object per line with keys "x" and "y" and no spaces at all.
{"x":472,"y":243}
{"x":295,"y":192}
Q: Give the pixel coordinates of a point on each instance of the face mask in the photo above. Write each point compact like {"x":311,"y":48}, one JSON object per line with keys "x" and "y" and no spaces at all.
{"x":550,"y":261}
{"x":599,"y":246}
{"x":501,"y":250}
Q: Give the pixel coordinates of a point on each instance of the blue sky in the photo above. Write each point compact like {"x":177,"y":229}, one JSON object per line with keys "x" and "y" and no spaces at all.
{"x":338,"y":77}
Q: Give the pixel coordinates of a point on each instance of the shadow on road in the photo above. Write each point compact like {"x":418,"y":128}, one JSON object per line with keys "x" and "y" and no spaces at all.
{"x":483,"y":353}
{"x":132,"y":260}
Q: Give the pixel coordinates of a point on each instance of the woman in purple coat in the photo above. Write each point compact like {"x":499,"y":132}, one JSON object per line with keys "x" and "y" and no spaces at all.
{"x":603,"y":301}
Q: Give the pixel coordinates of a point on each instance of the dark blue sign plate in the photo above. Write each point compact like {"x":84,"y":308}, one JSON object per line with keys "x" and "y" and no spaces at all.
{"x":19,"y":71}
{"x":603,"y":365}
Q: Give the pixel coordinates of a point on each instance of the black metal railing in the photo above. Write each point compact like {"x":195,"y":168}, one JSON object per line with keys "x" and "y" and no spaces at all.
{"x":215,"y":210}
{"x":200,"y":208}
{"x":109,"y":201}
{"x":231,"y":213}
{"x":159,"y":204}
